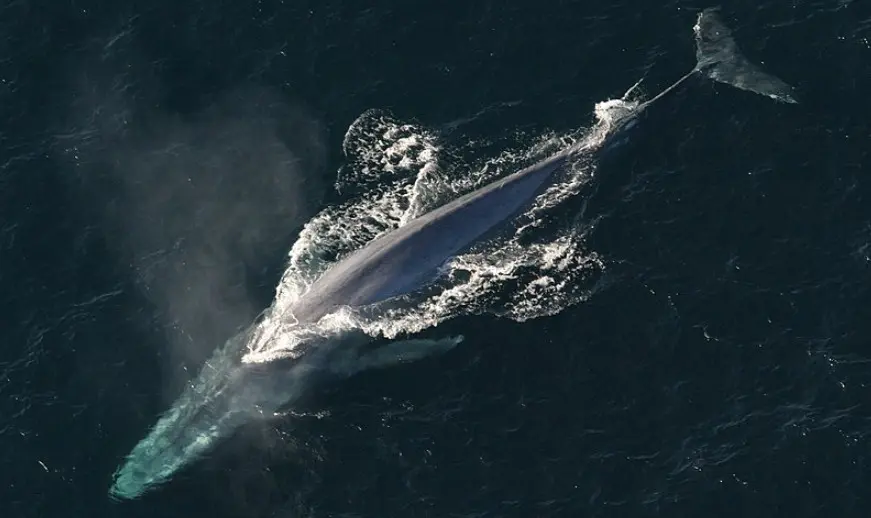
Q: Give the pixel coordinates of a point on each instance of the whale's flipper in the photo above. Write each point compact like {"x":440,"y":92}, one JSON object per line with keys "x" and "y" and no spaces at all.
{"x":402,"y":351}
{"x":720,"y":59}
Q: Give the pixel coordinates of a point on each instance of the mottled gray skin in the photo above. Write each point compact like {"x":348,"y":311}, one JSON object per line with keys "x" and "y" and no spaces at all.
{"x":408,"y":257}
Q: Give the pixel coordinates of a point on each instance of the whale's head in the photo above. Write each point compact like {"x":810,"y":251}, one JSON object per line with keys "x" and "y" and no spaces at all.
{"x":226,"y":395}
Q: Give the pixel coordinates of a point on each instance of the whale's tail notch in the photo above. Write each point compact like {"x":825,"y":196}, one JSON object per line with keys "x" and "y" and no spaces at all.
{"x":719,"y":58}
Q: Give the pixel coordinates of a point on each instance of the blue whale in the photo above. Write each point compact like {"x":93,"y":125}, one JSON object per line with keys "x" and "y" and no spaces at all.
{"x":229,"y":393}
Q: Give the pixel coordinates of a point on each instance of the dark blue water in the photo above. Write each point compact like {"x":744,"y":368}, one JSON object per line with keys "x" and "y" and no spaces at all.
{"x":148,"y":154}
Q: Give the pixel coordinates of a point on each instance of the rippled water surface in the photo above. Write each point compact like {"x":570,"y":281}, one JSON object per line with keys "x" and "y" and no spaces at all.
{"x":700,"y":344}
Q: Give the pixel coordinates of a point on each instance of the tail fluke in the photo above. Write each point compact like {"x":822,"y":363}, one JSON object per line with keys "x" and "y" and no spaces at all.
{"x":720,"y":59}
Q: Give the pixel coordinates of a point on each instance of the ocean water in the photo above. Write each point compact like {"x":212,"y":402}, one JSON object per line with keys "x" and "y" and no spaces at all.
{"x":158,"y":160}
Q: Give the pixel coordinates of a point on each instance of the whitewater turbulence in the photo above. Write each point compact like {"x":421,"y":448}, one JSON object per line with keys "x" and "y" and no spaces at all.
{"x":406,"y":190}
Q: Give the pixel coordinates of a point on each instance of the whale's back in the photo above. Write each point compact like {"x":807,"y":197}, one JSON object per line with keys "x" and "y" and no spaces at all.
{"x":406,"y":258}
